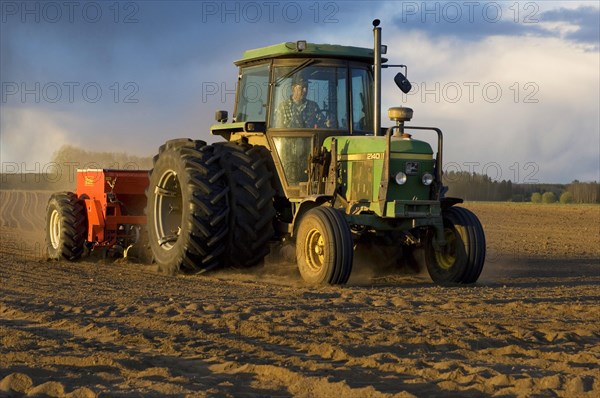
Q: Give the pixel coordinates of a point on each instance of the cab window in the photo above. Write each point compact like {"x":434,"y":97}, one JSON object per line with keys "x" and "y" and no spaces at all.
{"x":362,"y":113}
{"x":252,"y":94}
{"x":313,"y":97}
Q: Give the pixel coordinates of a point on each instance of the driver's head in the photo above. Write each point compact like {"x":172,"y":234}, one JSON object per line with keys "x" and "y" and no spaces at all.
{"x":299,"y":88}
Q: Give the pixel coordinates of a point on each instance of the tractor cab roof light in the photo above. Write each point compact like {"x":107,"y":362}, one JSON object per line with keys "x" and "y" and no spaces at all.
{"x":301,"y":45}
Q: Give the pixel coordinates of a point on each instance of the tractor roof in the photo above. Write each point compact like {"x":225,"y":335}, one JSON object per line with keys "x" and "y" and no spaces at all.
{"x":290,"y":50}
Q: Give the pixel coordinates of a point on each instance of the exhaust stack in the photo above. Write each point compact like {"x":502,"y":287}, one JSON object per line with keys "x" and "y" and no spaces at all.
{"x":377,"y":76}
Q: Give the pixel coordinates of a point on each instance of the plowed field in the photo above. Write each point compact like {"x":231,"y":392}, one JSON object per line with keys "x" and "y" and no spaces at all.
{"x":529,"y":327}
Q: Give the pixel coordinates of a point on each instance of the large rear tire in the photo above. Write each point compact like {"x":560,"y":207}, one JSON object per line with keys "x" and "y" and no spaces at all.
{"x":66,"y":226}
{"x":462,"y":259}
{"x":250,"y":200}
{"x":324,"y":247}
{"x":187,"y":207}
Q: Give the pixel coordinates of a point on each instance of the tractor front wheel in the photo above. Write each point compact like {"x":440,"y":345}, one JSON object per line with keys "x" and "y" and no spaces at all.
{"x":66,"y":226}
{"x":187,"y":207}
{"x":461,"y":259}
{"x":324,"y":247}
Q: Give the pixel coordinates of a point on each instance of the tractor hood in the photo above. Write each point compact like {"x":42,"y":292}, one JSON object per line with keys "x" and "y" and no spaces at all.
{"x":363,"y":171}
{"x":373,"y":148}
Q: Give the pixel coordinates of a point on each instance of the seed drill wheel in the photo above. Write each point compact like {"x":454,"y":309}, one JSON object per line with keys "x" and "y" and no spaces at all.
{"x":250,"y":201}
{"x":141,"y":250}
{"x":461,"y":260}
{"x":66,"y":226}
{"x":187,"y":207}
{"x":324,"y":247}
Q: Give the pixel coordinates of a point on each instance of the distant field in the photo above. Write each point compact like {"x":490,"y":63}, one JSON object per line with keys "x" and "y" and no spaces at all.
{"x":554,"y":230}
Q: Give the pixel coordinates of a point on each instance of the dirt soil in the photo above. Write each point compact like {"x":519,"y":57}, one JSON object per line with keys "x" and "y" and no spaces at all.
{"x":529,"y":327}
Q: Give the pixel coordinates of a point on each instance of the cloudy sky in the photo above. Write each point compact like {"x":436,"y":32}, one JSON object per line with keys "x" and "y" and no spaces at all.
{"x":514,"y":85}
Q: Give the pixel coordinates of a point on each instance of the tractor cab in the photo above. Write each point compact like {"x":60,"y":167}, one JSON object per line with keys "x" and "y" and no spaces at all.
{"x":295,"y":95}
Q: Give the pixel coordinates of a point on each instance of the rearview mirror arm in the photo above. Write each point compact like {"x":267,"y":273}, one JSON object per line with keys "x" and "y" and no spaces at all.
{"x":398,"y":66}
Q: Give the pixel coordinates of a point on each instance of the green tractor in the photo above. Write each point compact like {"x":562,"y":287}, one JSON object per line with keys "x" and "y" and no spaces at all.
{"x":306,"y":162}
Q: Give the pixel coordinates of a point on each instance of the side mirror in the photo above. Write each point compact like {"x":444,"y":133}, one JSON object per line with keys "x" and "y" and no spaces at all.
{"x":221,"y":116}
{"x":402,"y":83}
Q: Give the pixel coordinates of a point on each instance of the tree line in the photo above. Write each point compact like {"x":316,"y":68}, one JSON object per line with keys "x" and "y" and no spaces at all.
{"x":478,"y":187}
{"x":83,"y":159}
{"x":60,"y":173}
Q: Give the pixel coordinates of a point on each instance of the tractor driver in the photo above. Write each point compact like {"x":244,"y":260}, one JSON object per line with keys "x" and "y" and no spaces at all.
{"x":297,"y":111}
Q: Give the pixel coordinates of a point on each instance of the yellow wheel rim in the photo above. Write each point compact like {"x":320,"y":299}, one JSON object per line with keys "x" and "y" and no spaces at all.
{"x":314,"y":249}
{"x":446,"y":258}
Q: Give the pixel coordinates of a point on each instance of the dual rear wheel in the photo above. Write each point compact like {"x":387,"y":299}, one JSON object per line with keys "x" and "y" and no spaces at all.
{"x":209,"y":205}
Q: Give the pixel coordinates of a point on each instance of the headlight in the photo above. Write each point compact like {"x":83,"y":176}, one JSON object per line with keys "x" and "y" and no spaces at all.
{"x":427,"y":179}
{"x":400,"y":178}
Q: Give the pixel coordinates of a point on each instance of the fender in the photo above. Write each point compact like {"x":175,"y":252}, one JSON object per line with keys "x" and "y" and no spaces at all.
{"x":308,"y":203}
{"x":448,"y":202}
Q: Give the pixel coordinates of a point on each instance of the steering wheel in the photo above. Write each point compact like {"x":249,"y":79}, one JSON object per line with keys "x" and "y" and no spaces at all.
{"x":329,"y":116}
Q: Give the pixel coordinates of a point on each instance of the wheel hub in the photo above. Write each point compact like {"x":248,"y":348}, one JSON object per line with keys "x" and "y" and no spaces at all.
{"x":314,"y":250}
{"x":446,"y":257}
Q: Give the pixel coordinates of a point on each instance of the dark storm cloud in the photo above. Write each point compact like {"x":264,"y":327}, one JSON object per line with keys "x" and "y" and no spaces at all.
{"x":148,"y":40}
{"x":587,"y":20}
{"x":473,"y":21}
{"x":166,"y":53}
